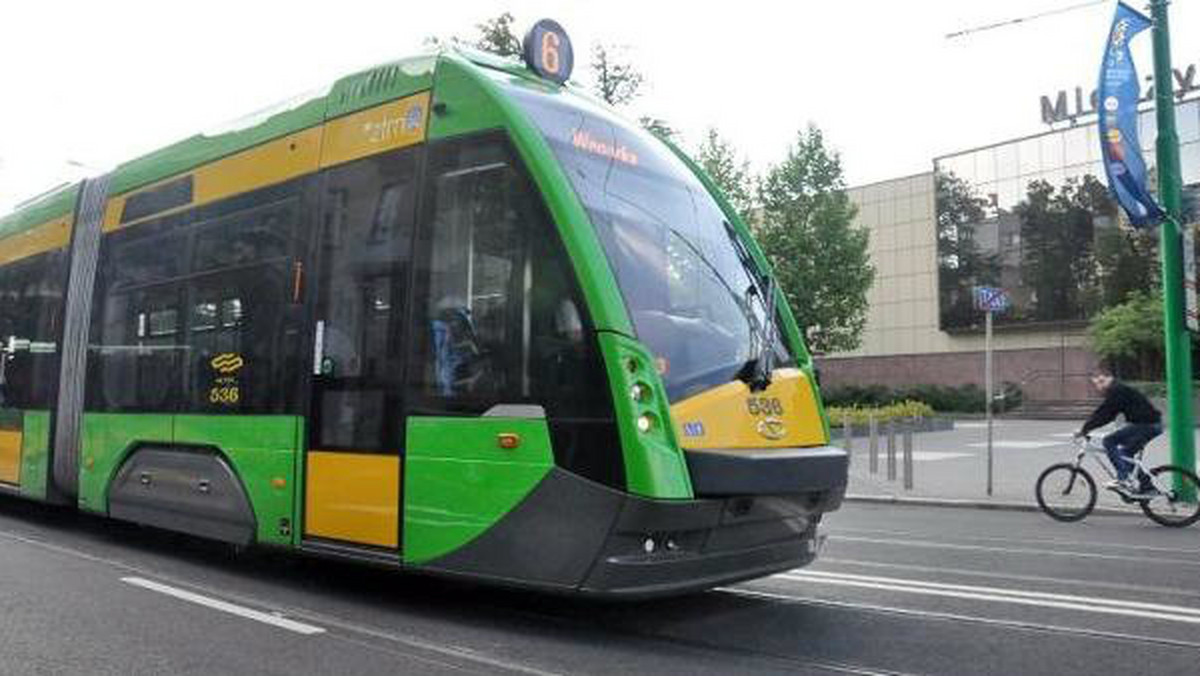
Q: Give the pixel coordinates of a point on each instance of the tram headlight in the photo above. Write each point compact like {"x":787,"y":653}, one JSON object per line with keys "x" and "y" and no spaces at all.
{"x":639,"y":392}
{"x":645,"y":422}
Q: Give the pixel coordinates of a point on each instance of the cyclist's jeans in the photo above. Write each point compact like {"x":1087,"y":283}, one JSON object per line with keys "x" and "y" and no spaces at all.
{"x":1126,"y":442}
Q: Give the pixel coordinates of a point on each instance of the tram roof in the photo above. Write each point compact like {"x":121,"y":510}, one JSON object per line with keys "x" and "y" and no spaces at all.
{"x":351,"y":93}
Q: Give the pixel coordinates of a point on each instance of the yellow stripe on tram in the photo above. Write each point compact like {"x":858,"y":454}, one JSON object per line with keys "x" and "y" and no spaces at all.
{"x":49,"y":236}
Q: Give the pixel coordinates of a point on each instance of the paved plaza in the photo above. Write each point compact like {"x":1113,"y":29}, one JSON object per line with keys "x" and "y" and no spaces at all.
{"x":953,"y":464}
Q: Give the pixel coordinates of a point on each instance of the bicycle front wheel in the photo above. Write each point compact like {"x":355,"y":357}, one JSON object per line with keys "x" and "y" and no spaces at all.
{"x":1167,"y":507}
{"x":1066,"y":492}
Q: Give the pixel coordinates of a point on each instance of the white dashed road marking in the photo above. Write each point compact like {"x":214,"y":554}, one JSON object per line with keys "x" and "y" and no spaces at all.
{"x":224,"y":606}
{"x":1024,"y":445}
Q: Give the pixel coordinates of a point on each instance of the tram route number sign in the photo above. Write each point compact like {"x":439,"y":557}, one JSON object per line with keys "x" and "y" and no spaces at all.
{"x":547,"y":51}
{"x":991,"y":299}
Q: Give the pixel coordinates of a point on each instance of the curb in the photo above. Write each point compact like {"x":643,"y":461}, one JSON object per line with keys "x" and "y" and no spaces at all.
{"x":974,"y":504}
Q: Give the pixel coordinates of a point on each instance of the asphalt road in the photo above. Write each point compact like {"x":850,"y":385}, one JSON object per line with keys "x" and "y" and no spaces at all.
{"x":898,"y":590}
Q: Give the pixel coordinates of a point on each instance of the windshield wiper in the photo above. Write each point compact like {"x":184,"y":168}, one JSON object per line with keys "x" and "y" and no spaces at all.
{"x":762,"y":364}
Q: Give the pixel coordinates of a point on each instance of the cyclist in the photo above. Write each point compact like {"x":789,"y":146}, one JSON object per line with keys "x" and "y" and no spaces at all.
{"x":1143,"y":422}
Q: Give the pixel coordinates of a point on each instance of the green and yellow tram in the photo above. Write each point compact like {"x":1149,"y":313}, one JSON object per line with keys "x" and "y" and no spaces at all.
{"x":448,"y":315}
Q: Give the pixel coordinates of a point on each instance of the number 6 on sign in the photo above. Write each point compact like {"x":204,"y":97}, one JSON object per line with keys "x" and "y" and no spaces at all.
{"x":550,"y":43}
{"x":547,"y":51}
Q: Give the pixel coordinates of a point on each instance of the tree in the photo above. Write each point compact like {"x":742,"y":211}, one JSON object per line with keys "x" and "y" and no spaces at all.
{"x":617,"y":81}
{"x":818,"y":255}
{"x":496,"y":35}
{"x":720,"y":161}
{"x":1126,"y":261}
{"x":1129,"y":334}
{"x":1058,"y":235}
{"x":961,"y":263}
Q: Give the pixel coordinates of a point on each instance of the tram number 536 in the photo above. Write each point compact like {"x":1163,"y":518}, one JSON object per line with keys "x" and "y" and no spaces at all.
{"x":763,"y":406}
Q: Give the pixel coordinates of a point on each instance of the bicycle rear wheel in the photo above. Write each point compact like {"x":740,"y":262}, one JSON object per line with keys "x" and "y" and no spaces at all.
{"x":1167,"y":508}
{"x":1066,"y":492}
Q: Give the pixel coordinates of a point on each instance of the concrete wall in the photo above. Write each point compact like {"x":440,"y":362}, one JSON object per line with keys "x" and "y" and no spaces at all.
{"x":1043,"y":373}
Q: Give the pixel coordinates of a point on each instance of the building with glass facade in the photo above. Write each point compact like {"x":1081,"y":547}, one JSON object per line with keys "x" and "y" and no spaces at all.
{"x":1030,"y":215}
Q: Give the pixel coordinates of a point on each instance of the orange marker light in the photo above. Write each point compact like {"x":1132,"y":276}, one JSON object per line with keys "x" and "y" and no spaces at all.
{"x":508,"y":441}
{"x":278,"y":482}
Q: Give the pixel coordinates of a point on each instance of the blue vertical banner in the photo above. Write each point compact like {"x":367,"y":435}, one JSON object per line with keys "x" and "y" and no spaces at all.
{"x":1118,"y":95}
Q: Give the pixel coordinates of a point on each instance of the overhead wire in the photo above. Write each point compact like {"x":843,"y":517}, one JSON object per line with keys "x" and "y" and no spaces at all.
{"x":1024,"y":19}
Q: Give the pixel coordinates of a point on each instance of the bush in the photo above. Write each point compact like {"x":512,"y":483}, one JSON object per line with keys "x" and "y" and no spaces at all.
{"x":860,"y":415}
{"x":967,"y":398}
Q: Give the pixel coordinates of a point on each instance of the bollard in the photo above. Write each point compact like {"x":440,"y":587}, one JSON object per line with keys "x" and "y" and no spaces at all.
{"x":891,"y":450}
{"x":848,"y":437}
{"x":908,"y":456}
{"x":873,"y":443}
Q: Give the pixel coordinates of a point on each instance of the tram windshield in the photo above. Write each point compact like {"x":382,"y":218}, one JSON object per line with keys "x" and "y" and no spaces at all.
{"x":693,"y":294}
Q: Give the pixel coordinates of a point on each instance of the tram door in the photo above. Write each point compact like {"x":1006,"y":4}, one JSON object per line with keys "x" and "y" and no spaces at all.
{"x":353,"y":471}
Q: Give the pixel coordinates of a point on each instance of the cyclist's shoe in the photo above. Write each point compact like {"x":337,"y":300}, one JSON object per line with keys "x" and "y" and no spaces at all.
{"x":1122,"y":486}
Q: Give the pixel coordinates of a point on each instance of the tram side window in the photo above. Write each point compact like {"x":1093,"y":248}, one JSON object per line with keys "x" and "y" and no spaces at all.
{"x":498,"y":319}
{"x":138,"y":351}
{"x":30,"y":309}
{"x":365,"y":243}
{"x":242,"y":341}
{"x":191,"y":312}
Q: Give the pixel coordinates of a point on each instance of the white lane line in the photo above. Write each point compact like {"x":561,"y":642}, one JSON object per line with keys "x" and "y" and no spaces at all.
{"x":1098,"y":544}
{"x":956,"y":617}
{"x":1044,"y":600}
{"x":1051,"y":596}
{"x":927,"y":544}
{"x":934,"y":456}
{"x":224,"y":606}
{"x":993,"y":575}
{"x":1017,"y":445}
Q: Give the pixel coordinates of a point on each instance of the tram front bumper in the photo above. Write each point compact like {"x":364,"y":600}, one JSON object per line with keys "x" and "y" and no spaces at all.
{"x":660,"y":548}
{"x":571,"y":535}
{"x":756,"y":514}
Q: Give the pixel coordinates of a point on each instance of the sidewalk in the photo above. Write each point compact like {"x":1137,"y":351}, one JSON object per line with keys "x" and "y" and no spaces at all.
{"x":951,"y":467}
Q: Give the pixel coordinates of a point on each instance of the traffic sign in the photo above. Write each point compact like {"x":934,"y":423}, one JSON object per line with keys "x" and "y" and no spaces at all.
{"x":991,"y":299}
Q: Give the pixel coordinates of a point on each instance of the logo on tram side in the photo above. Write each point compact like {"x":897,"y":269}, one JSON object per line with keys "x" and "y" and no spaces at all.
{"x":228,"y":362}
{"x":413,"y":118}
{"x":383,"y":130}
{"x":772,"y":428}
{"x":694,"y":428}
{"x":226,"y":390}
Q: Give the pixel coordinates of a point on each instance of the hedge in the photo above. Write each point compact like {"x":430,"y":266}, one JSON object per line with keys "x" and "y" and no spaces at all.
{"x":943,"y":398}
{"x":860,"y":415}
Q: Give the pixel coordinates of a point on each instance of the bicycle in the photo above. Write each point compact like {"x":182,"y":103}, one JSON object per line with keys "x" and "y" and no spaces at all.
{"x":1066,"y":491}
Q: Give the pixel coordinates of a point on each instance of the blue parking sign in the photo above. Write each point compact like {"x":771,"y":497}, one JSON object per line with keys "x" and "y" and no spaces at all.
{"x":991,"y":299}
